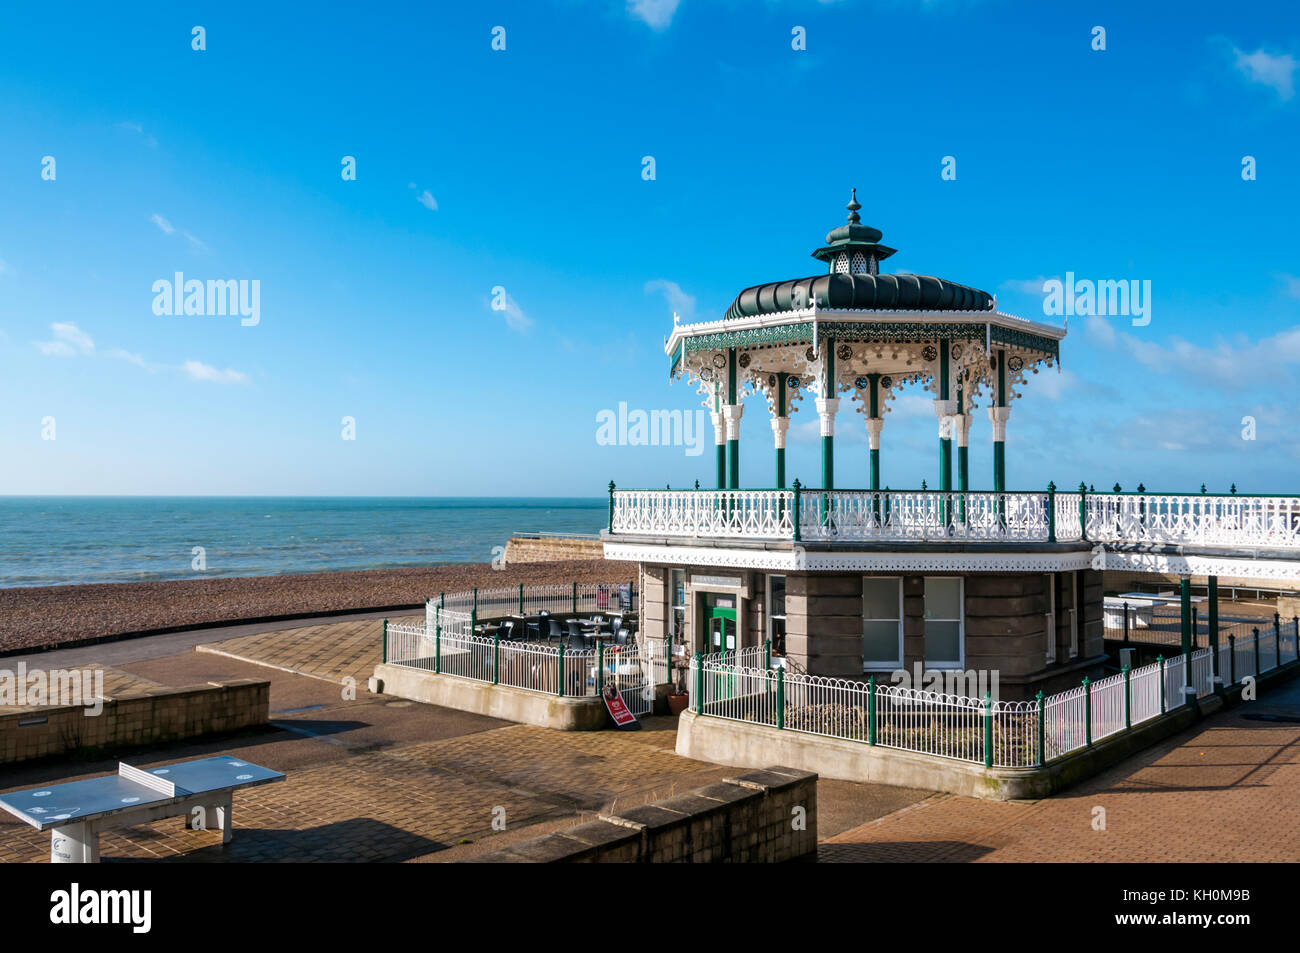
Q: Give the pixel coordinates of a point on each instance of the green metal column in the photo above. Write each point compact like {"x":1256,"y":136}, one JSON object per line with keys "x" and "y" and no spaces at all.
{"x":828,"y":440}
{"x":733,"y":446}
{"x":945,"y":443}
{"x":780,"y":412}
{"x":720,"y":442}
{"x":875,"y":413}
{"x":1185,"y":599}
{"x":1000,"y":446}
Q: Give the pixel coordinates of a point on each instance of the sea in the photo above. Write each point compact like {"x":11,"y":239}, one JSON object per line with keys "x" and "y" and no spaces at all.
{"x":64,"y":540}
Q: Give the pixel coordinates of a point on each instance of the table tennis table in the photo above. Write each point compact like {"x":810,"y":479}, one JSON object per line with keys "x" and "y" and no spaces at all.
{"x":76,"y":812}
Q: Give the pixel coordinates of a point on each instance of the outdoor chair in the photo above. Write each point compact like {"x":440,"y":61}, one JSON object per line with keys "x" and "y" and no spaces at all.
{"x":507,"y":630}
{"x":622,"y":637}
{"x":554,"y":631}
{"x":577,"y":639}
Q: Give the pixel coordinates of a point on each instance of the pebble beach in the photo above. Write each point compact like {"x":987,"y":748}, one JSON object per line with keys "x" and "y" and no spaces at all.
{"x":41,"y":617}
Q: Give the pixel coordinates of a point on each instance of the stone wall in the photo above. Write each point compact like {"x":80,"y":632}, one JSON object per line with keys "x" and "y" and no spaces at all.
{"x":753,"y":818}
{"x":549,"y":549}
{"x":173,"y":714}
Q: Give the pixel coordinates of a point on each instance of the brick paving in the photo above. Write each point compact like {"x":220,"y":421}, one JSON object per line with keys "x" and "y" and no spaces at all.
{"x":332,"y":652}
{"x":1228,"y":790}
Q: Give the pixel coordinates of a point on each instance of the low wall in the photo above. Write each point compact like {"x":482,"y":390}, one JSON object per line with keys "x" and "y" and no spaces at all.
{"x":550,"y":549}
{"x":753,"y":818}
{"x":484,"y":698}
{"x":723,"y":741}
{"x":168,"y":715}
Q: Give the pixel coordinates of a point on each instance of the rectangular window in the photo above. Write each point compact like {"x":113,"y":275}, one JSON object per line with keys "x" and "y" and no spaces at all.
{"x":882,"y":623}
{"x":1050,"y":649}
{"x":943,"y":622}
{"x":776,"y":614}
{"x":677,"y":606}
{"x":1074,"y":614}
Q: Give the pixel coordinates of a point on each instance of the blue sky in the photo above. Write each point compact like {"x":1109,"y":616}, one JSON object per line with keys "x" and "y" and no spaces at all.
{"x":521,"y":169}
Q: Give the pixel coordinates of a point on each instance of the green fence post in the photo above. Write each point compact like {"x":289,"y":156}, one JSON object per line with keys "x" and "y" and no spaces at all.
{"x":699,"y":683}
{"x":1083,"y":512}
{"x":988,"y":729}
{"x":600,"y":667}
{"x":575,"y":597}
{"x":1042,"y":731}
{"x":385,"y":642}
{"x":437,"y":645}
{"x":767,"y":654}
{"x":780,"y":697}
{"x":1087,"y":712}
{"x":561,"y":672}
{"x":795,"y":514}
{"x":871,"y":710}
{"x":1232,"y":659}
{"x":1051,"y":511}
{"x":521,"y":598}
{"x":496,"y":658}
{"x":1161,"y":660}
{"x":474,"y":608}
{"x":1126,"y":623}
{"x":1277,"y":640}
{"x":611,"y":507}
{"x":1128,"y":697}
{"x":1256,"y":630}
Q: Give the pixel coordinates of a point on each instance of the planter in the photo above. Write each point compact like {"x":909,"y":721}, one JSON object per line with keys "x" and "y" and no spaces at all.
{"x":677,"y":703}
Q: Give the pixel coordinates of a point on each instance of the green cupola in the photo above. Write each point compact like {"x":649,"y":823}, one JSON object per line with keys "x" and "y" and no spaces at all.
{"x":853,"y":249}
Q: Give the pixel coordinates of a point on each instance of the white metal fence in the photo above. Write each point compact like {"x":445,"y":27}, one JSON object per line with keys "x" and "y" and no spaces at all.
{"x":446,"y":645}
{"x":739,"y":687}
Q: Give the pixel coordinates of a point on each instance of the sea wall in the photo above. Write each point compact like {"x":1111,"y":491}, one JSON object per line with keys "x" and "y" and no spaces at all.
{"x":549,"y":549}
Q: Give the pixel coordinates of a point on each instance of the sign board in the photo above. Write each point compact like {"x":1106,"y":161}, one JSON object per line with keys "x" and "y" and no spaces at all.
{"x":716,"y":582}
{"x":618,"y":710}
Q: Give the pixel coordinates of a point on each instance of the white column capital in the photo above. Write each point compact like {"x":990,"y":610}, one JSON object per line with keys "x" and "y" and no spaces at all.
{"x":732,"y":413}
{"x":998,"y":416}
{"x":779,"y":427}
{"x":719,"y":427}
{"x":944,"y":409}
{"x":874,"y":426}
{"x":826,"y":408}
{"x":961,"y":423}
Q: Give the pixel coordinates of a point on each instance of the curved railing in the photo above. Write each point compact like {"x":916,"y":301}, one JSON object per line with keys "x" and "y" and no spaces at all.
{"x":800,"y":513}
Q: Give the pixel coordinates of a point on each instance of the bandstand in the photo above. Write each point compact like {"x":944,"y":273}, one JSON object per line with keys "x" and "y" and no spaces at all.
{"x":852,"y":582}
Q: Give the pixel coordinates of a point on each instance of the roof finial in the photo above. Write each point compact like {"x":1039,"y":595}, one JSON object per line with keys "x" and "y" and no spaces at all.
{"x":853,"y":207}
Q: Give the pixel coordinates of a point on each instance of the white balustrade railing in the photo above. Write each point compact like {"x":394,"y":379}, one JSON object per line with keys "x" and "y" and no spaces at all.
{"x":996,"y":733}
{"x":930,"y":515}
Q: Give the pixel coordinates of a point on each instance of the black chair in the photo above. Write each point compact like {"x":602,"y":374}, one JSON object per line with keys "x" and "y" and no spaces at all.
{"x":622,"y":637}
{"x":612,"y":624}
{"x":577,"y":638}
{"x":507,"y":630}
{"x":554,"y":631}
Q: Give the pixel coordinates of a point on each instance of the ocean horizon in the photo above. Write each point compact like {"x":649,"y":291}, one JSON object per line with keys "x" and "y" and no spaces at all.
{"x":74,"y":540}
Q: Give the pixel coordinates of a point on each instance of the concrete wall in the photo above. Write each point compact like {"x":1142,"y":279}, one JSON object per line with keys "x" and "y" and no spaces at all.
{"x":748,"y":819}
{"x":549,"y":549}
{"x":167,"y":715}
{"x":497,"y":701}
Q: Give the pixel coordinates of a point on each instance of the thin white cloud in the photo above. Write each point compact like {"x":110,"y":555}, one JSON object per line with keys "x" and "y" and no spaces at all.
{"x":1026,"y":286}
{"x":1236,"y":363}
{"x":138,"y":130}
{"x":426,"y":199}
{"x":1291,"y":284}
{"x":162,"y":223}
{"x":656,"y":14}
{"x":129,"y":357}
{"x":69,"y":341}
{"x":199,"y":371}
{"x":683,"y":304}
{"x":516,"y":320}
{"x":1274,"y":70}
{"x":169,"y":229}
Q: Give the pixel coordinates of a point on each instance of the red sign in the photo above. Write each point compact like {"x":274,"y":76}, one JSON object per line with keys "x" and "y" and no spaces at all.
{"x":618,"y":711}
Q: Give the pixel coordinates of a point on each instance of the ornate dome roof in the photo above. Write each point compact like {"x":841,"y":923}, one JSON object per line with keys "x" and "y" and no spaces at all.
{"x":853,"y":253}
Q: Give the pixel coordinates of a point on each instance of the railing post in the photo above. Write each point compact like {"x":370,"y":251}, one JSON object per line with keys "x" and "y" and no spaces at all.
{"x":1126,"y":622}
{"x":575,"y":597}
{"x":385,"y":642}
{"x":795,"y":515}
{"x":611,"y":507}
{"x":521,"y":598}
{"x":767,"y":654}
{"x":437,"y":645}
{"x":1128,"y":697}
{"x":1256,"y":672}
{"x":1087,"y":712}
{"x":474,"y":609}
{"x":988,"y":729}
{"x":1277,"y":640}
{"x":1051,"y":511}
{"x":600,"y":667}
{"x":1083,"y":512}
{"x":496,"y":658}
{"x":1161,"y":660}
{"x":1295,"y":621}
{"x":780,"y":698}
{"x":871,"y":710}
{"x":699,"y":683}
{"x":1232,"y":659}
{"x":561,"y":668}
{"x":1042,"y":731}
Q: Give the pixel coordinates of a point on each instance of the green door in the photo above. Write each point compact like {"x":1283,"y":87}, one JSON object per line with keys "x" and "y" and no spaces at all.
{"x":722,"y":638}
